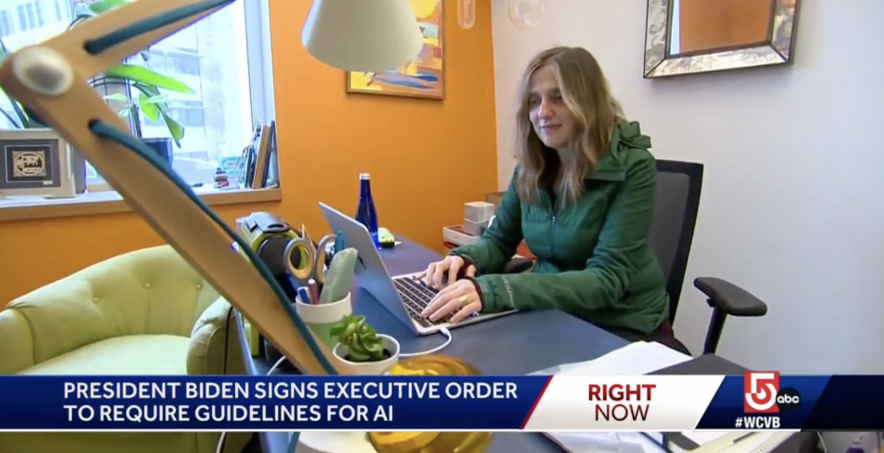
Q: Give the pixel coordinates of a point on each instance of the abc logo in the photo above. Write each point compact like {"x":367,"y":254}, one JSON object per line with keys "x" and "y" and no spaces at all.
{"x":788,"y":399}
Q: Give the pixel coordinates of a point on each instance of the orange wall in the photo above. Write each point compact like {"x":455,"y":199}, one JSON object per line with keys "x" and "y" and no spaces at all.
{"x":426,"y":157}
{"x":712,"y":24}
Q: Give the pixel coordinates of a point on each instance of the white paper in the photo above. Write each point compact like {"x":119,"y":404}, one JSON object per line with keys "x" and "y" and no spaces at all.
{"x":735,"y":442}
{"x":703,"y":437}
{"x":637,"y":358}
{"x":760,"y":442}
{"x":588,"y":442}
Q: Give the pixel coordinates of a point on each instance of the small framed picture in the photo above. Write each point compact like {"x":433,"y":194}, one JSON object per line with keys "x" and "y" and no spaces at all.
{"x":35,"y":162}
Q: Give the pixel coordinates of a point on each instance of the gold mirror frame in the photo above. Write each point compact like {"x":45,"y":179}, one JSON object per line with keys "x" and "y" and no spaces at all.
{"x":776,"y":50}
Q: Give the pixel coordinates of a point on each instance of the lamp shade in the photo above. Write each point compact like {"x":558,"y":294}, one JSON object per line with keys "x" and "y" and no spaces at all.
{"x":362,"y":35}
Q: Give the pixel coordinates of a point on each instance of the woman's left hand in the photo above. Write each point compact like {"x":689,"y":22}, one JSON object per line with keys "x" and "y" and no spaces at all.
{"x":459,"y":298}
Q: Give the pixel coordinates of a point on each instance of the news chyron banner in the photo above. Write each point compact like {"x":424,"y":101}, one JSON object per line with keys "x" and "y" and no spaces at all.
{"x":756,"y":401}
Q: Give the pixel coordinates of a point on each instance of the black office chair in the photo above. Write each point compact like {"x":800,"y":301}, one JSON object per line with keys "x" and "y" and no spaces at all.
{"x":678,"y":198}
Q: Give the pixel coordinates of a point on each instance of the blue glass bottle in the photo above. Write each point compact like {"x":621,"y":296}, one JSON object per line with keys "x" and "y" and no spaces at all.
{"x":365,"y":212}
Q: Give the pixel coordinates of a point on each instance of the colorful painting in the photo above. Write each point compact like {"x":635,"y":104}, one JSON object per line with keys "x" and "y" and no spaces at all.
{"x":423,"y":77}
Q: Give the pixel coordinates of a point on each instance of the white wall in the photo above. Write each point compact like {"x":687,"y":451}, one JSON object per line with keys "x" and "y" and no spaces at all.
{"x":793,"y":198}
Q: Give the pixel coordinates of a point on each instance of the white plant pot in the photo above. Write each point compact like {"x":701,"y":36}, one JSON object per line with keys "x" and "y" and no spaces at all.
{"x":367,"y":368}
{"x":321,"y":318}
{"x":334,"y":442}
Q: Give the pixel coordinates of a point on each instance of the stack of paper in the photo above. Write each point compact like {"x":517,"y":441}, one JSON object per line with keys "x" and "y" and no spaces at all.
{"x":641,"y":358}
{"x":692,"y":441}
{"x":580,"y":442}
{"x":633,"y":359}
{"x":730,"y":442}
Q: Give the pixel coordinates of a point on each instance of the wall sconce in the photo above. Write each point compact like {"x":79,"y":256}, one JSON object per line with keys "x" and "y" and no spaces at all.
{"x":523,"y":13}
{"x":527,"y":13}
{"x":466,"y":13}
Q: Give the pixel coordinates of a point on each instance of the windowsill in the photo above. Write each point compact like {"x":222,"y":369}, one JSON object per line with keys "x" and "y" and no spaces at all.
{"x":110,"y":202}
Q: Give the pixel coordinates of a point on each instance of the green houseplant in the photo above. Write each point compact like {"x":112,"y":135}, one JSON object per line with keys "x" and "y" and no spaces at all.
{"x":360,"y":349}
{"x":150,"y":85}
{"x":362,"y":341}
{"x":151,"y":88}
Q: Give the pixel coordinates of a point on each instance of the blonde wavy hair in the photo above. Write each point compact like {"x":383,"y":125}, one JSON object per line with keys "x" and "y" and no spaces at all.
{"x":586,"y":95}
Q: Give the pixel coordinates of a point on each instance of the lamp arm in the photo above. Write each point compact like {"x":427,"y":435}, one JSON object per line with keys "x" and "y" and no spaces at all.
{"x":72,"y":43}
{"x":51,"y":79}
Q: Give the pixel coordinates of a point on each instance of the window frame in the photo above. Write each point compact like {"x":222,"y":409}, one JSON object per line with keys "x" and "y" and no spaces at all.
{"x":260,"y":72}
{"x":257,"y":16}
{"x":100,"y":198}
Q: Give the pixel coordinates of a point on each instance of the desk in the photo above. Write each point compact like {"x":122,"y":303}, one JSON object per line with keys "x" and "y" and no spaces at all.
{"x":522,"y":250}
{"x":487,"y":345}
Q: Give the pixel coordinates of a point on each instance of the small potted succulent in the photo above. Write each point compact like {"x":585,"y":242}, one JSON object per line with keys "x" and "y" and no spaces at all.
{"x":360,"y":349}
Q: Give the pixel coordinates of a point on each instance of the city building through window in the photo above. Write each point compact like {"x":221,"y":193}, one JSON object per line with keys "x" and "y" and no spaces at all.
{"x":224,"y":59}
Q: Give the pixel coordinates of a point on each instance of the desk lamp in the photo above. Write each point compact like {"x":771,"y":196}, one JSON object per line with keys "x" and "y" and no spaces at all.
{"x":50,"y":80}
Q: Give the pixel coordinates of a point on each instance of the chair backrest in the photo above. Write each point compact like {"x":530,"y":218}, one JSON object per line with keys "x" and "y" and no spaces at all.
{"x":675,"y":214}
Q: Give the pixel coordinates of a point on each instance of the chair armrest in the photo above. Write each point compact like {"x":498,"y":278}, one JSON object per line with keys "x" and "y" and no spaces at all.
{"x":207,"y":353}
{"x":730,"y":298}
{"x":16,"y":342}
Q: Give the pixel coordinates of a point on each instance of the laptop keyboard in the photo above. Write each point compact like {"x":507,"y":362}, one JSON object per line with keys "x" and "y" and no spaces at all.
{"x":417,"y":295}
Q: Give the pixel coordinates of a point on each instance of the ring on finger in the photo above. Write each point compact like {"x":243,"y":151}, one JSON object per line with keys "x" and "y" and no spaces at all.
{"x":463,"y":300}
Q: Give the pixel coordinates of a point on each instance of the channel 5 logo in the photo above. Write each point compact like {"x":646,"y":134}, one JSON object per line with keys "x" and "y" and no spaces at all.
{"x":762,"y":394}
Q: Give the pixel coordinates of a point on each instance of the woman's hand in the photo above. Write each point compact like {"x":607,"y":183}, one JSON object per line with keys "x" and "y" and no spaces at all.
{"x":459,"y":298}
{"x":435,"y":273}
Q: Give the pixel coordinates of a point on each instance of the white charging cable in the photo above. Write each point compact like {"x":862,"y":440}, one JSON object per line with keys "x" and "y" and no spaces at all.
{"x":448,"y":338}
{"x":822,"y":442}
{"x":445,"y":332}
{"x":269,"y":372}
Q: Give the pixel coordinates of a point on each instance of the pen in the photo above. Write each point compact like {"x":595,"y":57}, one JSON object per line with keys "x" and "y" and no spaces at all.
{"x":314,"y":291}
{"x":304,"y":294}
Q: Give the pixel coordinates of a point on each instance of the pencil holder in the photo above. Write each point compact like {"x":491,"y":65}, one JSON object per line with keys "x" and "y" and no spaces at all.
{"x":320,"y":318}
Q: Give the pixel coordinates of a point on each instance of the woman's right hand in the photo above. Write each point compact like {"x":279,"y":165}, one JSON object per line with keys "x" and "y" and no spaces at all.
{"x":450,"y":266}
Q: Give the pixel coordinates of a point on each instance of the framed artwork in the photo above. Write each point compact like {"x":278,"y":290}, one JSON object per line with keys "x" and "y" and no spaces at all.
{"x":423,"y":77}
{"x":35,"y":162}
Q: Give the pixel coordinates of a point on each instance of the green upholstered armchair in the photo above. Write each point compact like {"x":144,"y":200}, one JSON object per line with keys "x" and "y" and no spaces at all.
{"x":146,"y":312}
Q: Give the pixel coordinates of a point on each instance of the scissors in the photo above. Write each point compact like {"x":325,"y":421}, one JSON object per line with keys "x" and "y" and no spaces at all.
{"x":305,"y":261}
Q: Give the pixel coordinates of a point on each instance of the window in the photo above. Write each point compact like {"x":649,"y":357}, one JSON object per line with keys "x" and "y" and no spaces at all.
{"x":187,"y":113}
{"x":5,"y":24}
{"x":39,"y":8}
{"x":22,"y":19}
{"x":31,"y":16}
{"x":225,"y":61}
{"x":180,"y":63}
{"x":60,"y":10}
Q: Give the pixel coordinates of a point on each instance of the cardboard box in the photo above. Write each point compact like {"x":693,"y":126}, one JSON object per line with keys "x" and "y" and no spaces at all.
{"x":478,"y":211}
{"x":456,"y":235}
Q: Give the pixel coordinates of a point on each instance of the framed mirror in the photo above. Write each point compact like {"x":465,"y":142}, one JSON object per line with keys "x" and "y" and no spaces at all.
{"x":693,"y":36}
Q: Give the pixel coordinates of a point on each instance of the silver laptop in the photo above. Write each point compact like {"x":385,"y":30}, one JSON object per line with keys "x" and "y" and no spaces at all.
{"x":405,"y":296}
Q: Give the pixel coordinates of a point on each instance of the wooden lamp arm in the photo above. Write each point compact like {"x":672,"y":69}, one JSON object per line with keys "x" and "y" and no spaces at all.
{"x":51,"y":80}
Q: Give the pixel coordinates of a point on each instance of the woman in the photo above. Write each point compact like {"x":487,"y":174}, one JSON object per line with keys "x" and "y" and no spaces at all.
{"x":582,"y":198}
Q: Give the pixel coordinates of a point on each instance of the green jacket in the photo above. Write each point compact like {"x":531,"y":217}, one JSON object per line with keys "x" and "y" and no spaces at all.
{"x":593,"y":257}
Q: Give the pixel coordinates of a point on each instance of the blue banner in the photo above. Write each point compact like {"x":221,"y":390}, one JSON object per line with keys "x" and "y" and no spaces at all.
{"x":854,"y":403}
{"x":251,"y":403}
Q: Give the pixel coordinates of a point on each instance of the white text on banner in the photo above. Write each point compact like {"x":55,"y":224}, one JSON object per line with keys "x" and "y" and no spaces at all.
{"x":628,"y":403}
